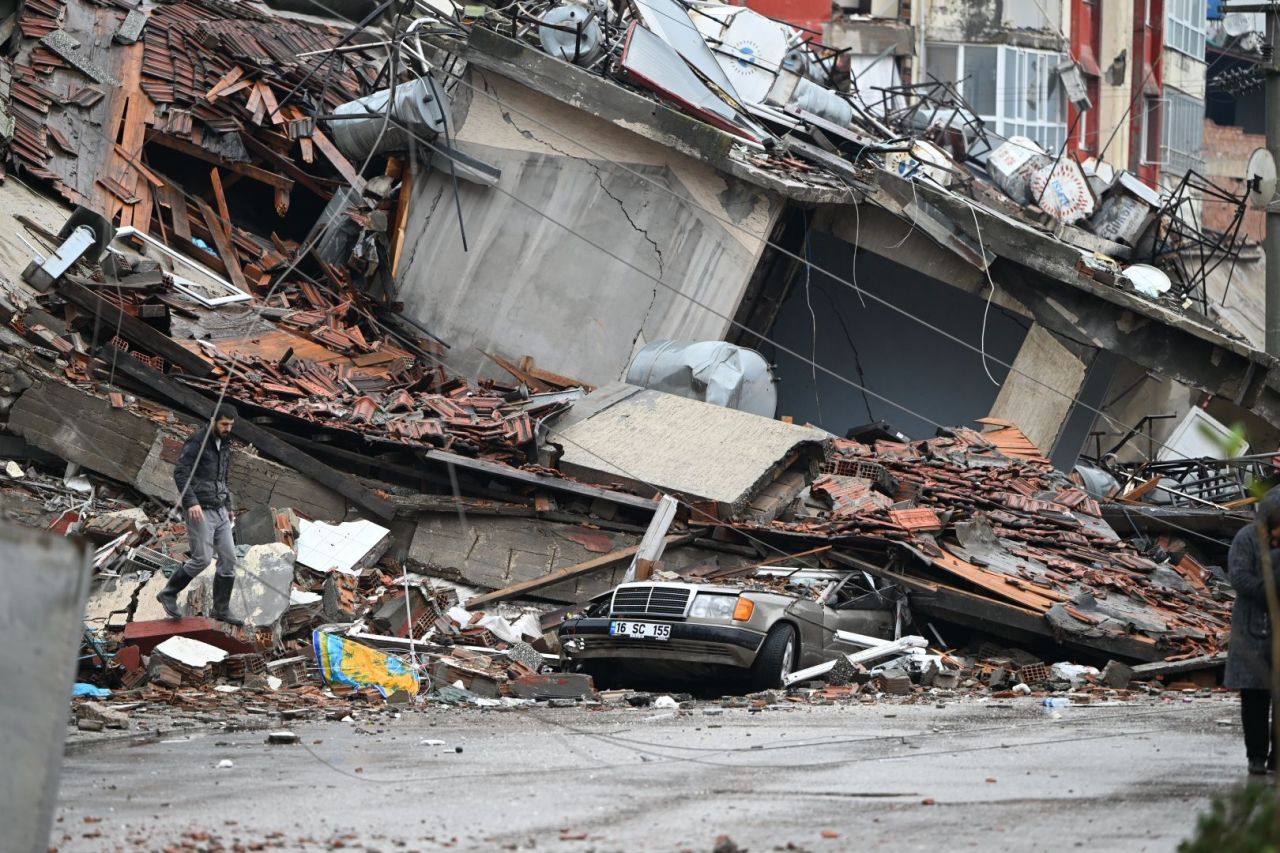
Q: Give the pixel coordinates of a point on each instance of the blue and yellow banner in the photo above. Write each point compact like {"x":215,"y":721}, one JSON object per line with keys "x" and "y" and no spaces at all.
{"x":343,"y":661}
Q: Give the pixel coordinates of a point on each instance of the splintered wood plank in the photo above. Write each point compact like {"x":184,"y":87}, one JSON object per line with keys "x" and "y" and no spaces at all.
{"x":260,"y":111}
{"x":272,"y":345}
{"x":177,"y":204}
{"x":282,"y":201}
{"x":227,"y":79}
{"x":136,"y":164}
{"x":273,"y":107}
{"x":136,"y":113}
{"x":403,"y":204}
{"x":340,"y":163}
{"x":220,"y":197}
{"x":1136,"y":494}
{"x":226,"y":252}
{"x":255,"y":98}
{"x":236,"y":87}
{"x":248,"y":170}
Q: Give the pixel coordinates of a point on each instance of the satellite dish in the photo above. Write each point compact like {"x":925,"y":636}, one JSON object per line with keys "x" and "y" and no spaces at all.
{"x":752,"y":48}
{"x":1260,"y":179}
{"x":1147,"y":280}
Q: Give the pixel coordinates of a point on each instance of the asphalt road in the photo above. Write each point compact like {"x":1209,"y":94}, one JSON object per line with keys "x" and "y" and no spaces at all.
{"x":970,"y":775}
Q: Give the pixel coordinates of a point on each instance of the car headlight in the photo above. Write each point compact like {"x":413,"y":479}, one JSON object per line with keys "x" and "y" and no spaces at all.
{"x":707,"y":606}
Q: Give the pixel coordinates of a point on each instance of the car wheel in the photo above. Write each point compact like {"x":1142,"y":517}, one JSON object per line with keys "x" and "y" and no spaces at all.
{"x":776,"y":658}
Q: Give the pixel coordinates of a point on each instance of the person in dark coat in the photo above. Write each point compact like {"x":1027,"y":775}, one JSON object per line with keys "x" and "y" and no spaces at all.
{"x":1249,"y":652}
{"x":201,"y":478}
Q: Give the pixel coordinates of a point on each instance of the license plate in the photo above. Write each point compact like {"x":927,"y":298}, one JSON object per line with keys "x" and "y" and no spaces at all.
{"x":640,"y":630}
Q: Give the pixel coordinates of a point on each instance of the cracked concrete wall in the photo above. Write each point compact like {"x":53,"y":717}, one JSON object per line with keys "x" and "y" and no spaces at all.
{"x":124,"y":445}
{"x":528,"y":283}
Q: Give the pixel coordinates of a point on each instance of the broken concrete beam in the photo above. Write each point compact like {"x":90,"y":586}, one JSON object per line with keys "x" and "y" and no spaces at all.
{"x":1156,"y":669}
{"x":846,"y":673}
{"x":266,"y":442}
{"x":571,"y":685}
{"x":147,"y":635}
{"x":947,"y":679}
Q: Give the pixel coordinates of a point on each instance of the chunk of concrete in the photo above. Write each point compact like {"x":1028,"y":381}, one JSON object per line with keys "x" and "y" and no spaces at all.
{"x":264,"y":577}
{"x":1117,"y":675}
{"x":109,"y":717}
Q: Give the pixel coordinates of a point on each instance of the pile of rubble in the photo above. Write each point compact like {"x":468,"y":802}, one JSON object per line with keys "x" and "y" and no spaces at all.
{"x":986,"y":512}
{"x":300,"y":581}
{"x":288,"y":309}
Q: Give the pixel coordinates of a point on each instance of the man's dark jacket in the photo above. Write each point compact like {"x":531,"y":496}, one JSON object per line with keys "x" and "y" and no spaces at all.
{"x":1249,"y":653}
{"x":203,"y":480}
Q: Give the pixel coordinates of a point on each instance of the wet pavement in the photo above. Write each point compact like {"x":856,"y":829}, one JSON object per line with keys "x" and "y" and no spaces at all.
{"x":970,"y":775}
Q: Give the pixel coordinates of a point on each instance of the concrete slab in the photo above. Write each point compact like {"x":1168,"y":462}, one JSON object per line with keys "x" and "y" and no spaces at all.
{"x":81,"y":427}
{"x":649,"y":439}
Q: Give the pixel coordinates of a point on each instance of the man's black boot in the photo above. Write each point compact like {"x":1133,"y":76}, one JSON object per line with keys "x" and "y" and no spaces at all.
{"x":168,"y":597}
{"x":222,"y":586}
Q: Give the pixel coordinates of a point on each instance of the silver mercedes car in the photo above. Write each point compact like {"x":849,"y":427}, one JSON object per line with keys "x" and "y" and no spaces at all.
{"x":776,"y":623}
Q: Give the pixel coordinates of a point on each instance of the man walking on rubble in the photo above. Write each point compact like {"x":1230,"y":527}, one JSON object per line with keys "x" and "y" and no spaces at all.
{"x":201,"y":478}
{"x":1249,"y":651}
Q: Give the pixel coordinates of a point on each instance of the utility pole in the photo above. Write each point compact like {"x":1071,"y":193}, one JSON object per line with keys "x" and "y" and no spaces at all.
{"x":1271,"y":240}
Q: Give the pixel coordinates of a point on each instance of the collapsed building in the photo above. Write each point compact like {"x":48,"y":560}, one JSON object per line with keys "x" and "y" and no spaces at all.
{"x":422,"y":275}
